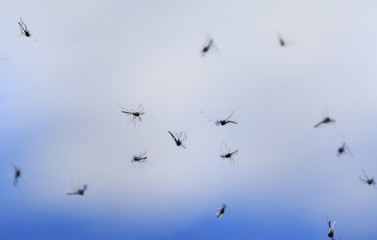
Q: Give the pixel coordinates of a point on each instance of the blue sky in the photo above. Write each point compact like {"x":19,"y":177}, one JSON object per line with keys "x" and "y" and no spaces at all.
{"x":62,"y":127}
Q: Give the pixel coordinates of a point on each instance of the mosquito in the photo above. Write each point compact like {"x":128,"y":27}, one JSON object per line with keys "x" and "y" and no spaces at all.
{"x":344,"y":149}
{"x":325,"y":121}
{"x":207,"y":46}
{"x":140,"y":158}
{"x":23,"y":27}
{"x":229,"y":155}
{"x":179,"y":138}
{"x":17,"y":175}
{"x":330,"y":233}
{"x":79,"y":191}
{"x":226,"y":121}
{"x":220,"y":212}
{"x":136,"y":115}
{"x":283,"y":42}
{"x":367,"y":180}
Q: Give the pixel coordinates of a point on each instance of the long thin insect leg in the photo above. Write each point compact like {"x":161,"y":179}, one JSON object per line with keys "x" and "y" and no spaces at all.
{"x":171,"y":134}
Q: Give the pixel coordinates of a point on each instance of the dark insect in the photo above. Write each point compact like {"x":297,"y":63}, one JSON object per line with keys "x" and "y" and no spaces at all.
{"x":220,"y":212}
{"x":282,"y":42}
{"x":367,"y":180}
{"x":207,"y":47}
{"x":229,"y":155}
{"x":330,"y":233}
{"x":140,"y":158}
{"x":325,"y":121}
{"x":179,"y":138}
{"x":226,"y":121}
{"x":136,"y":115}
{"x":344,"y":149}
{"x":23,"y":27}
{"x":79,"y":191}
{"x":17,"y":175}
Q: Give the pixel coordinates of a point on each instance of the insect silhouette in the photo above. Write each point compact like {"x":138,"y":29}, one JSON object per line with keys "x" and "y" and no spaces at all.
{"x":17,"y":175}
{"x":331,"y":230}
{"x":344,"y":149}
{"x":282,"y":41}
{"x":79,"y":191}
{"x":24,"y":30}
{"x":140,"y":158}
{"x":136,"y":115}
{"x":226,"y":121}
{"x":367,"y":180}
{"x":179,"y":138}
{"x":220,"y":212}
{"x":229,"y":155}
{"x":326,"y":120}
{"x":207,"y":47}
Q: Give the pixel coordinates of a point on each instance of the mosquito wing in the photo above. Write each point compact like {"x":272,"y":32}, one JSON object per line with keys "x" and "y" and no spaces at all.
{"x":230,"y":115}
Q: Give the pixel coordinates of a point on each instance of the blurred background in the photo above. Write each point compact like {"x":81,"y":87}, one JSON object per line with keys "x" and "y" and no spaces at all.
{"x":62,"y":126}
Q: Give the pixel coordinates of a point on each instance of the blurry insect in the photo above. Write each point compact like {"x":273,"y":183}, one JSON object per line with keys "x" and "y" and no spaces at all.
{"x":208,"y":46}
{"x":220,"y":211}
{"x":367,"y":180}
{"x":136,"y":115}
{"x":79,"y":191}
{"x":23,"y":27}
{"x":225,"y":121}
{"x":179,"y":138}
{"x":17,"y":175}
{"x":283,"y":42}
{"x":325,"y":121}
{"x":229,"y":155}
{"x":140,"y":158}
{"x":344,"y":149}
{"x":4,"y":59}
{"x":331,"y":231}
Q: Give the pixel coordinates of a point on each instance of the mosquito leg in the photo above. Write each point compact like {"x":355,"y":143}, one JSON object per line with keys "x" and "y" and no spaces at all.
{"x":231,"y":161}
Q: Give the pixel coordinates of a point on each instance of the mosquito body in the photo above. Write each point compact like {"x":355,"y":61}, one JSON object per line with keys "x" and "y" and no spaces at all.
{"x":326,"y":120}
{"x":24,"y":30}
{"x":225,"y":121}
{"x":331,"y":230}
{"x":229,"y":155}
{"x":221,"y":212}
{"x":207,"y":47}
{"x":136,"y":115}
{"x":179,"y":138}
{"x":282,"y":42}
{"x":367,"y":180}
{"x":17,"y":175}
{"x":140,"y":158}
{"x":79,"y":191}
{"x":344,"y":149}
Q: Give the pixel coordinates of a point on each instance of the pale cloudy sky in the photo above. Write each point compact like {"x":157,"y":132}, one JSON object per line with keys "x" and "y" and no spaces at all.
{"x":62,"y":127}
